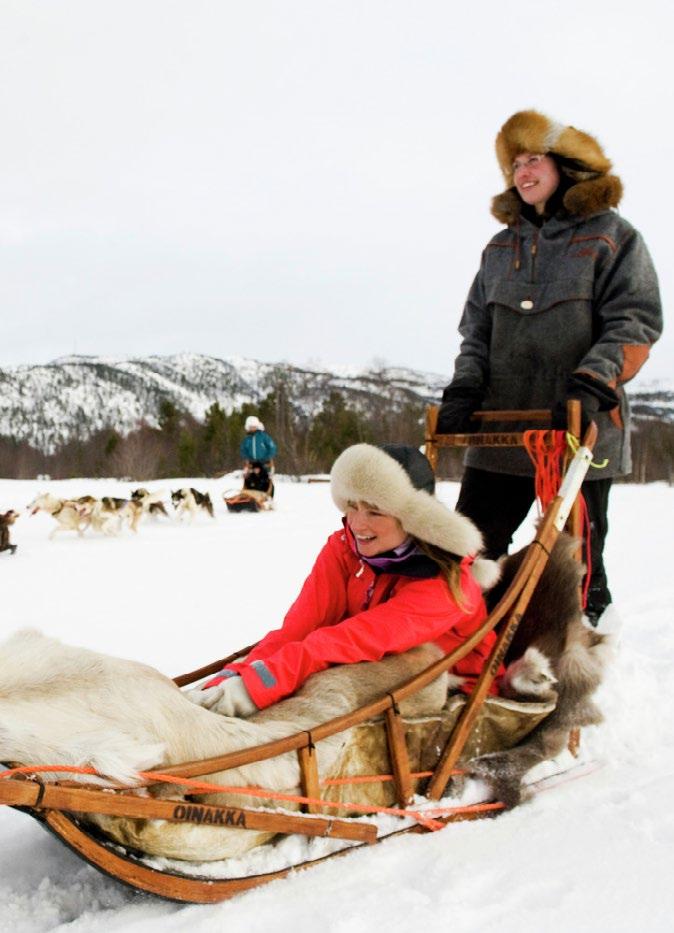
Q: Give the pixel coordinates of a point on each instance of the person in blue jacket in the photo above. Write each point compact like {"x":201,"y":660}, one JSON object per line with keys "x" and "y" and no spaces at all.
{"x":257,"y":445}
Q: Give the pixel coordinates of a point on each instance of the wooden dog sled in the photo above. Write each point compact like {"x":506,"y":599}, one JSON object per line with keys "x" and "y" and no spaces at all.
{"x":61,"y":806}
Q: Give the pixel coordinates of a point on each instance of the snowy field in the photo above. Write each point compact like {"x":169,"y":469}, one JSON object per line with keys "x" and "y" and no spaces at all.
{"x":594,"y":854}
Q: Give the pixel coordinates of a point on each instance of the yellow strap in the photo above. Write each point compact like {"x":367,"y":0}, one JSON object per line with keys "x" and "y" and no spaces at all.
{"x":574,"y":445}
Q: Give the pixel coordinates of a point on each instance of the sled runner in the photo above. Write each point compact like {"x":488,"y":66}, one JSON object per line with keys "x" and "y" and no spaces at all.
{"x":413,"y":755}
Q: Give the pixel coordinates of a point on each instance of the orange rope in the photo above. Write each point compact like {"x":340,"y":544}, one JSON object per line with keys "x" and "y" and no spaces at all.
{"x":207,"y":787}
{"x":372,"y":778}
{"x":546,"y":449}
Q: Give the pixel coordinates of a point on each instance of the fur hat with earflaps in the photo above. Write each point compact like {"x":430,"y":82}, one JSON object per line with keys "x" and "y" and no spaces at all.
{"x":579,"y":156}
{"x":253,"y":423}
{"x":399,"y":481}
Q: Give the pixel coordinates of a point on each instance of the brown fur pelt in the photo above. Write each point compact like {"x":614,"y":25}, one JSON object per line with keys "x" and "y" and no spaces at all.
{"x":531,"y":131}
{"x":552,"y":654}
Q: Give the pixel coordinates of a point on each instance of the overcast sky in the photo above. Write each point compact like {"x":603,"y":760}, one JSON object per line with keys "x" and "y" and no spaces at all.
{"x":301,"y":180}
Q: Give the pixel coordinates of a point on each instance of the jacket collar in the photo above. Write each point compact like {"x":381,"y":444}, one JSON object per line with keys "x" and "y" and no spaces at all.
{"x":405,"y":563}
{"x":582,"y":200}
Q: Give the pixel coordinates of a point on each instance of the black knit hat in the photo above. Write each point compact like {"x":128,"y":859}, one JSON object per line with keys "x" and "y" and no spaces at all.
{"x":414,"y":464}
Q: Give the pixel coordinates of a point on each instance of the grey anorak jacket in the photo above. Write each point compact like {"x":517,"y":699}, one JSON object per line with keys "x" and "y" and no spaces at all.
{"x":577,"y":295}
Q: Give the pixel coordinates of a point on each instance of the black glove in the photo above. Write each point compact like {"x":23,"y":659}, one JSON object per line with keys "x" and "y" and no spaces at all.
{"x":458,"y":404}
{"x":594,"y":396}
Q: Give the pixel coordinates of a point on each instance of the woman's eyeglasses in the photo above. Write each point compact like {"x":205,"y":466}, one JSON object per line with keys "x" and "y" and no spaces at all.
{"x":532,"y":161}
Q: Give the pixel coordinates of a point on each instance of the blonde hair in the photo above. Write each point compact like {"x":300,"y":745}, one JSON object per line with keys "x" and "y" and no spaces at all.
{"x":450,"y":568}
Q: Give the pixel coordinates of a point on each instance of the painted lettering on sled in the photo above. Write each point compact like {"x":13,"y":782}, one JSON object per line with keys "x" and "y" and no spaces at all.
{"x":215,"y":816}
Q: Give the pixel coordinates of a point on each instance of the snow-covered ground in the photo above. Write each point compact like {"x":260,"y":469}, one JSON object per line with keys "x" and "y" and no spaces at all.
{"x":594,"y":854}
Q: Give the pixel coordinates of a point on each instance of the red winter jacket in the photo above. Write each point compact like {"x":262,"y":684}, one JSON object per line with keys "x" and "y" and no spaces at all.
{"x":347,"y":613}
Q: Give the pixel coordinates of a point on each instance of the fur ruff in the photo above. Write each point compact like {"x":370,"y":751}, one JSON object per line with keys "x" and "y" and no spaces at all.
{"x":363,"y":473}
{"x":531,"y":131}
{"x":551,"y":655}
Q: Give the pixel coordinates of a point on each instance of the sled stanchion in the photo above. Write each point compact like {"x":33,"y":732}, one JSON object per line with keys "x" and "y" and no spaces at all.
{"x":400,"y":759}
{"x":430,"y":445}
{"x":575,"y":522}
{"x":309,"y":779}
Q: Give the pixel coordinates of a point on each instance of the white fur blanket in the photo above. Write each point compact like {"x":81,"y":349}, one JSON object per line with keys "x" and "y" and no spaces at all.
{"x":68,"y":705}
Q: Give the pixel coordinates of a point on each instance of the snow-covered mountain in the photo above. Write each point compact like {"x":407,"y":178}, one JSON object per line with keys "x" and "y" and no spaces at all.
{"x":72,"y":397}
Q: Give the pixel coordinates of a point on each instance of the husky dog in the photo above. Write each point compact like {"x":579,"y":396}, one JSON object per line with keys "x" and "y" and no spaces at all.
{"x":552,"y":655}
{"x":189,"y":500}
{"x":126,"y":510}
{"x":151,"y":502}
{"x":108,"y":515}
{"x":70,"y":514}
{"x":7,"y":519}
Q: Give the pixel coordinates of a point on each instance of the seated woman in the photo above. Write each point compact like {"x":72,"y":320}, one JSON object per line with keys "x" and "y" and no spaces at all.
{"x":400,"y":572}
{"x":258,"y":479}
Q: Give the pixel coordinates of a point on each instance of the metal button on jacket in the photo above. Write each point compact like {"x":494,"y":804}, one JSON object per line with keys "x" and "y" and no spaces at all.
{"x":527,"y":304}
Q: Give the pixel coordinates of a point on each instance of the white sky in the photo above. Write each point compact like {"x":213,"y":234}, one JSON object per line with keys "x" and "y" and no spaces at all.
{"x":302,"y":180}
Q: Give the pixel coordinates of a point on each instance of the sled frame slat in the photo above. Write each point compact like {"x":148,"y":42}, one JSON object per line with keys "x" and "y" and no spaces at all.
{"x":399,"y":756}
{"x":74,"y":800}
{"x":309,"y":779}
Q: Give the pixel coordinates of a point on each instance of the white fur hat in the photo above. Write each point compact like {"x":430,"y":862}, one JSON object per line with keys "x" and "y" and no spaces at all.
{"x":364,"y":473}
{"x":253,"y":423}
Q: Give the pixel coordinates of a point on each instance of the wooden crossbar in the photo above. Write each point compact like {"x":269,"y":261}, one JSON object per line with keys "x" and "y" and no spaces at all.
{"x":83,"y":800}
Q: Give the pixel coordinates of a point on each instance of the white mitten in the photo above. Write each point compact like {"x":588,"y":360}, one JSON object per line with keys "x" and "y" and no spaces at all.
{"x":229,"y":698}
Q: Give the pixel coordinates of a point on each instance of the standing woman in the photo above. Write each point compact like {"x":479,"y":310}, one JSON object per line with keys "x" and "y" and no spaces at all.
{"x":565,"y":306}
{"x":400,"y":571}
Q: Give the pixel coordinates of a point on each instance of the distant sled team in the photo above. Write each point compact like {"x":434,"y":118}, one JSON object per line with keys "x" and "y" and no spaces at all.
{"x":107,"y":515}
{"x":110,"y":515}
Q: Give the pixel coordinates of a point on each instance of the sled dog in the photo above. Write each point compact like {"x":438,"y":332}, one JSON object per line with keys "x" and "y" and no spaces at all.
{"x":151,"y":502}
{"x":189,"y":501}
{"x":69,"y":514}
